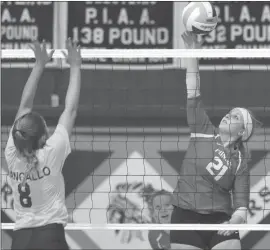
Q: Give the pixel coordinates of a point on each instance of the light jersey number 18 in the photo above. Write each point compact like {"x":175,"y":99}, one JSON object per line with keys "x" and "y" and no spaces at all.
{"x":217,"y":165}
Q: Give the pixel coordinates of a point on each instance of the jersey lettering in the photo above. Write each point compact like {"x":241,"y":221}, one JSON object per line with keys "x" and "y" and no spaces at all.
{"x":25,"y":198}
{"x":217,"y":165}
{"x":34,"y":176}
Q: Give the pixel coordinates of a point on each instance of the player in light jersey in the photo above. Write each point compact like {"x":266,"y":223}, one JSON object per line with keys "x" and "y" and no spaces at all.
{"x":35,"y":160}
{"x":213,"y":185}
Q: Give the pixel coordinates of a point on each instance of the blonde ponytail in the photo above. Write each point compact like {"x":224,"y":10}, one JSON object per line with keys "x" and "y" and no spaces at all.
{"x":32,"y":164}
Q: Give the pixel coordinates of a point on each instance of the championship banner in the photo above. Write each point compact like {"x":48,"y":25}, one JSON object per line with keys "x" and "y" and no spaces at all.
{"x":122,"y":25}
{"x":242,"y":25}
{"x":24,"y":22}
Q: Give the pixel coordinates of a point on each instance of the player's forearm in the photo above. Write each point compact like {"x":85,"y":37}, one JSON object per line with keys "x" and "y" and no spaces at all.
{"x":73,"y":92}
{"x":192,"y":65}
{"x":239,"y":216}
{"x":192,"y":78}
{"x":30,"y":88}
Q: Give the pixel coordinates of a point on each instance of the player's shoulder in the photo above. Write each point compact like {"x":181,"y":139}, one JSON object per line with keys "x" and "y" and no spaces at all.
{"x":60,"y":135}
{"x":57,"y":147}
{"x":60,"y":129}
{"x":10,"y":149}
{"x":242,"y":165}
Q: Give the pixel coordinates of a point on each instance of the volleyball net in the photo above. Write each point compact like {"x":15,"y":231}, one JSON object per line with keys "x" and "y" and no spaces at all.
{"x":115,"y":170}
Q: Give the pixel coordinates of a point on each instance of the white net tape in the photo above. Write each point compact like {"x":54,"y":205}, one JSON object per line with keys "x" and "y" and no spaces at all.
{"x":180,"y":227}
{"x":150,"y":53}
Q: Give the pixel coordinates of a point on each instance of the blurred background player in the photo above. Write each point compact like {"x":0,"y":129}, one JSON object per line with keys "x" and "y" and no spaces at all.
{"x":162,"y":207}
{"x":35,"y":160}
{"x":126,"y":209}
{"x":214,"y":184}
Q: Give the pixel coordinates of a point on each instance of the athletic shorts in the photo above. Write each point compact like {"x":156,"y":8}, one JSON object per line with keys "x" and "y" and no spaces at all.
{"x":200,"y":239}
{"x":51,"y":236}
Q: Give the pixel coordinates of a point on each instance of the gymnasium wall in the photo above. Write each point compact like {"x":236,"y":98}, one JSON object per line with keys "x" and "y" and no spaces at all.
{"x":139,"y":94}
{"x":133,"y":100}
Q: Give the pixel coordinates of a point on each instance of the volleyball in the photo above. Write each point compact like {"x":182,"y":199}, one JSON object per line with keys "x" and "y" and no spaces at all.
{"x":200,"y":17}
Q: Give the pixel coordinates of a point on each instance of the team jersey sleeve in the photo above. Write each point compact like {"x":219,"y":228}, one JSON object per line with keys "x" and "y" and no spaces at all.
{"x":198,"y":120}
{"x":159,"y":240}
{"x":241,"y":189}
{"x":58,"y":148}
{"x":10,"y":150}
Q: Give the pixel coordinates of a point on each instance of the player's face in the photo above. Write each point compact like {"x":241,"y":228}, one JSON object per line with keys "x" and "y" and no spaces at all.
{"x":232,"y":123}
{"x":162,"y":205}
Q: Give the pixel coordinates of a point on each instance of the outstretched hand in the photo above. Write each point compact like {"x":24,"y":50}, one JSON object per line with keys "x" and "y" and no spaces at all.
{"x":235,"y":219}
{"x":191,"y":40}
{"x":41,"y":54}
{"x":73,"y":56}
{"x":226,"y":232}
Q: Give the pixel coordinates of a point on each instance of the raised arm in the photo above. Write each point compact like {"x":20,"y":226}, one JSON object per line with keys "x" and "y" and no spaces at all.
{"x":198,"y":120}
{"x":29,"y":91}
{"x":241,"y":195}
{"x":69,"y":114}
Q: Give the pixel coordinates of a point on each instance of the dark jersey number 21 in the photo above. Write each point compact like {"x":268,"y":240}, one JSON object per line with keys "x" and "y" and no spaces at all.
{"x":25,"y":198}
{"x":218,"y":166}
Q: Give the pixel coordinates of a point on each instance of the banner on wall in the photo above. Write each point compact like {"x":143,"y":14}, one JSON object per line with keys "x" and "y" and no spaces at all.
{"x":132,"y":25}
{"x":122,"y":25}
{"x":242,"y":25}
{"x":24,"y":22}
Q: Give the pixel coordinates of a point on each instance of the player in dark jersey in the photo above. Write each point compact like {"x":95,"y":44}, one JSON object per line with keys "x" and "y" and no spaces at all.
{"x":162,"y":207}
{"x":35,"y":160}
{"x":213,"y":185}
